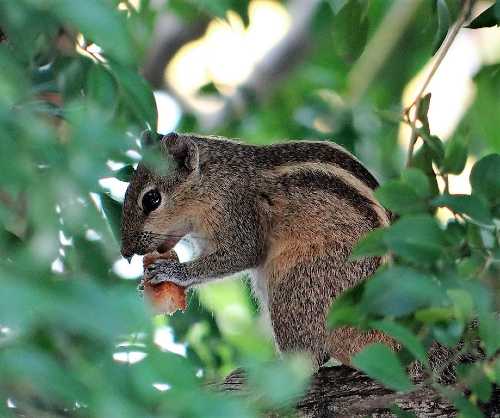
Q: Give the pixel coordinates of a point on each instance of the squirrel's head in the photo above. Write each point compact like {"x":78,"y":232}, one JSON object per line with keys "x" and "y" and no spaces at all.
{"x":161,"y":194}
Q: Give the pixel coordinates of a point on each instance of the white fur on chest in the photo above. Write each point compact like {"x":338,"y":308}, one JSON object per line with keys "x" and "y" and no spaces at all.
{"x":260,"y":287}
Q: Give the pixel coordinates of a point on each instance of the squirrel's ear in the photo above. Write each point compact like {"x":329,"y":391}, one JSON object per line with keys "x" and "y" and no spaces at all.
{"x":150,"y":138}
{"x":182,"y":149}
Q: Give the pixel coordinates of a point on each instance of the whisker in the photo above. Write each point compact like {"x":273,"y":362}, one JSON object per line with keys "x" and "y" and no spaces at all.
{"x":157,"y":236}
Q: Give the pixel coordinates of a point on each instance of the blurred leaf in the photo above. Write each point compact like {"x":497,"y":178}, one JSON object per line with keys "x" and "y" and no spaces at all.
{"x":403,"y":336}
{"x":423,"y":110}
{"x":434,"y":314}
{"x":209,"y":88}
{"x":137,"y":94}
{"x":399,"y":291}
{"x":102,"y":88}
{"x":444,"y":22}
{"x":422,"y":160}
{"x":349,"y":44}
{"x":480,"y":119}
{"x":490,"y":17}
{"x":400,"y":197}
{"x":346,"y":308}
{"x":381,"y":363}
{"x":455,"y":157}
{"x":337,"y":5}
{"x":101,"y":23}
{"x":125,"y":173}
{"x":463,"y":304}
{"x":417,"y":180}
{"x":113,"y":211}
{"x":469,"y":205}
{"x":466,"y":408}
{"x":436,"y":148}
{"x":489,"y":331}
{"x":416,"y":238}
{"x":485,"y":177}
{"x":372,"y":244}
{"x":448,"y":333}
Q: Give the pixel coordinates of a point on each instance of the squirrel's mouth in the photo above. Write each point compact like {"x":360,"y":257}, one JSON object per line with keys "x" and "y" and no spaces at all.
{"x":168,"y":244}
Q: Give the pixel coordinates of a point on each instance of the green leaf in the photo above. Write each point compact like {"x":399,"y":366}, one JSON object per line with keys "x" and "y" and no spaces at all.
{"x":463,"y":305}
{"x":113,"y":211}
{"x":467,"y":408}
{"x":400,"y":197}
{"x":370,"y":245}
{"x":209,"y":88}
{"x":381,"y":363}
{"x":423,"y":110}
{"x":497,"y":371}
{"x":102,"y":88}
{"x":469,"y":205}
{"x":436,"y":147}
{"x":337,"y":5}
{"x":486,"y":19}
{"x":455,"y":157}
{"x":448,"y":333}
{"x":485,"y":177}
{"x":403,"y":336}
{"x":137,"y":95}
{"x":101,"y":23}
{"x":346,"y":309}
{"x":399,"y":291}
{"x":489,"y":331}
{"x":417,"y":238}
{"x":422,"y":160}
{"x":348,"y":44}
{"x":434,"y":314}
{"x":416,"y":179}
{"x":125,"y":173}
{"x":444,"y":22}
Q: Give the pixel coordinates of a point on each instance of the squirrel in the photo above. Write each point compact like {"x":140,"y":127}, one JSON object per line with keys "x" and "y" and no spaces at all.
{"x":288,"y":213}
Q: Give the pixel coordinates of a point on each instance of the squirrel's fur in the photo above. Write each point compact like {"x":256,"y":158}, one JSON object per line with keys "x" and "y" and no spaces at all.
{"x":289,"y":213}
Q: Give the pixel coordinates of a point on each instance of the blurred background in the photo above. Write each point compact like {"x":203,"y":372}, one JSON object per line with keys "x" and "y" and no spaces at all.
{"x":80,"y":81}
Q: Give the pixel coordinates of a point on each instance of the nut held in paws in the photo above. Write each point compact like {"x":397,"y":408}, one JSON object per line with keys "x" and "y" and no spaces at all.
{"x":164,"y":297}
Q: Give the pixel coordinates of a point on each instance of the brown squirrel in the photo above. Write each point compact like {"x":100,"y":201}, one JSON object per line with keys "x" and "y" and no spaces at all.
{"x":290,"y":213}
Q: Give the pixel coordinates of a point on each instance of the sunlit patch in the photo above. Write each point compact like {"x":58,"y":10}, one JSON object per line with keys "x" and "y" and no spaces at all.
{"x":228,"y":52}
{"x":130,"y":357}
{"x":199,"y":373}
{"x":122,"y":268}
{"x":64,"y":240}
{"x":452,"y":86}
{"x":115,"y":187}
{"x":458,"y":184}
{"x":92,"y":235}
{"x":57,"y":266}
{"x":10,"y":403}
{"x":162,"y":387}
{"x":169,"y":112}
{"x":164,"y":338}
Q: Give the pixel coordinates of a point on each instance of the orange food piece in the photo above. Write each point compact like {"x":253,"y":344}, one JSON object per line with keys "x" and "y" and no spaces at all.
{"x":166,"y":297}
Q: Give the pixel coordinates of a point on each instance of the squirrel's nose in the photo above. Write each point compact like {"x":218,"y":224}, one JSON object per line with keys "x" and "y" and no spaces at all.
{"x":127,"y":255}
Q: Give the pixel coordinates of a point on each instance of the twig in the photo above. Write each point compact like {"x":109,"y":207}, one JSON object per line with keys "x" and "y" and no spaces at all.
{"x":443,"y":50}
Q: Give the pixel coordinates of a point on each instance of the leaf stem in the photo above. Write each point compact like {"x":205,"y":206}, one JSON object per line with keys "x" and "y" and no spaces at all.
{"x":443,"y":50}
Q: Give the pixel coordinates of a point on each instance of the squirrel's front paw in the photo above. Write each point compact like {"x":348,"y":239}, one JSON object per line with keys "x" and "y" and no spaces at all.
{"x":167,"y":271}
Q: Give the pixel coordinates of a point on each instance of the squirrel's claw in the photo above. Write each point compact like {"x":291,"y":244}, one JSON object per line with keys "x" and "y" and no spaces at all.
{"x":166,"y":271}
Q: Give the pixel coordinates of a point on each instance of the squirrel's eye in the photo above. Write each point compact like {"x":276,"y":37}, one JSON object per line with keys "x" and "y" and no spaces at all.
{"x":151,"y":200}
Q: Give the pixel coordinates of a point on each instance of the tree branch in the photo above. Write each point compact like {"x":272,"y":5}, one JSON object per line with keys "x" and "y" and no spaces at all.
{"x":343,"y":392}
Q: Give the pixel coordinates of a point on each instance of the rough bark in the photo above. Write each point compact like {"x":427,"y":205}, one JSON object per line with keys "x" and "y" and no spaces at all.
{"x":343,"y":392}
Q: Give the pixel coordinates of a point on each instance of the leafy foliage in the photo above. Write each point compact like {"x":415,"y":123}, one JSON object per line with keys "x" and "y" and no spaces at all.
{"x":73,"y":104}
